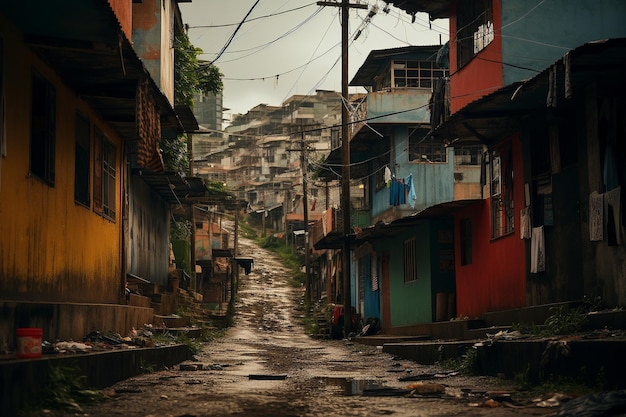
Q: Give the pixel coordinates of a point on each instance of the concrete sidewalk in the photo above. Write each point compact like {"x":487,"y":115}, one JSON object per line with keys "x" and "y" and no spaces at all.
{"x":24,"y":380}
{"x":596,"y":354}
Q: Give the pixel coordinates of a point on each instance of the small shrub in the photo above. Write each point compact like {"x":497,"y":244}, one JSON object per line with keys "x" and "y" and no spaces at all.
{"x":565,"y":321}
{"x":65,"y":391}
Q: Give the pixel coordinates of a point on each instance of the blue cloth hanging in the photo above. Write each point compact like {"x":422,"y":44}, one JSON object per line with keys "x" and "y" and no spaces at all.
{"x":411,"y":197}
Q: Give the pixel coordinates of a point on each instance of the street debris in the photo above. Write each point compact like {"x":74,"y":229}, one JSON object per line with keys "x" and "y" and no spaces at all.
{"x":425,"y":388}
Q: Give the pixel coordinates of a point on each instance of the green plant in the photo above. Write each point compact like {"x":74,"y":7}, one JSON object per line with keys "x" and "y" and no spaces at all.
{"x":522,"y":379}
{"x":146,"y":367}
{"x":565,"y":321}
{"x":526,"y":328}
{"x":469,"y":362}
{"x":180,"y":230}
{"x":190,"y":74}
{"x":65,"y":390}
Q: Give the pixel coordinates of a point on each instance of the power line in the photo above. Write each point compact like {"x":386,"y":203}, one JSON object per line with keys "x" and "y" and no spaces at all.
{"x":234,"y":33}
{"x":250,"y":20}
{"x":259,"y":48}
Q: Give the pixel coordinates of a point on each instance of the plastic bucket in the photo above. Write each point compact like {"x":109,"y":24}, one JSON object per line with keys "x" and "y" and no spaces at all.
{"x":28,"y":342}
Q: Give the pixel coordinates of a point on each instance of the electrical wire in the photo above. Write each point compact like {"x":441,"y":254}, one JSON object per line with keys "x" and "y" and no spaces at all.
{"x":250,"y":20}
{"x":234,"y":33}
{"x":259,"y":48}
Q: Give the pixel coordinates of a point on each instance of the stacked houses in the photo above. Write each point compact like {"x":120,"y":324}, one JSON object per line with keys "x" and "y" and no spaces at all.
{"x":493,"y":165}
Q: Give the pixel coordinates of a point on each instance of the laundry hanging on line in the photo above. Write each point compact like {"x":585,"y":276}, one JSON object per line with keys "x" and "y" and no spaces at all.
{"x":397,"y":192}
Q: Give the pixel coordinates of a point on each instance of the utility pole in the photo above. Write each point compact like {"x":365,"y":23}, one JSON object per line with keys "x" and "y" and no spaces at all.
{"x":305,"y":207}
{"x":345,"y":158}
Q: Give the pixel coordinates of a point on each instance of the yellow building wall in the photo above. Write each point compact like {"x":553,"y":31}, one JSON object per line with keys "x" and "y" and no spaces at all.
{"x":52,"y":249}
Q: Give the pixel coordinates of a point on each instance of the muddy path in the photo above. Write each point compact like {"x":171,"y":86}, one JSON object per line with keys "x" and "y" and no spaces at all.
{"x":266,"y":365}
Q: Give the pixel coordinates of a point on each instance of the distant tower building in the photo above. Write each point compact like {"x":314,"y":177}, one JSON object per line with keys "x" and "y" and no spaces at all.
{"x":208,"y":110}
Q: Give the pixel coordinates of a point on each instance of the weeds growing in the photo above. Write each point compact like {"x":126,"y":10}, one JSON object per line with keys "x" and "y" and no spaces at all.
{"x":65,"y":390}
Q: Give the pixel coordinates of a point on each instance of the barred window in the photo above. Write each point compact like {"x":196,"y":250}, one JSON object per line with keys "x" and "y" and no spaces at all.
{"x":426,"y":151}
{"x":104,"y":194}
{"x":474,"y":29}
{"x":416,"y":74}
{"x":82,"y":159}
{"x":42,"y":128}
{"x":410,"y":260}
{"x":501,"y":188}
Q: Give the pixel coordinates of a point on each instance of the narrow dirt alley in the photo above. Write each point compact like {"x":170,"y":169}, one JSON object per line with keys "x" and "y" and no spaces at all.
{"x":267,"y":366}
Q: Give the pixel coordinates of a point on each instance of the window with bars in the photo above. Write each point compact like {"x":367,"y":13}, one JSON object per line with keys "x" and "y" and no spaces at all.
{"x":468,"y":155}
{"x":474,"y":29}
{"x":426,"y":151}
{"x":81,"y":159}
{"x":501,"y":190}
{"x":410,"y":74}
{"x":104,"y":176}
{"x":410,"y":260}
{"x":415,"y":74}
{"x":42,"y":128}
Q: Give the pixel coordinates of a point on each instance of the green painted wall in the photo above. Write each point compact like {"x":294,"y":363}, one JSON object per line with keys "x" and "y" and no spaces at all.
{"x":411,"y":302}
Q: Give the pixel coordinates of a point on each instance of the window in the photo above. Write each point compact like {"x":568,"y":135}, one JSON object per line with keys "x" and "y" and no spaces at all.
{"x":42,"y":128}
{"x":466,"y":241}
{"x":426,"y":151}
{"x":474,"y":29}
{"x":415,"y":74}
{"x":335,"y":139}
{"x":501,"y":190}
{"x":410,"y":260}
{"x":104,"y":176}
{"x":468,"y":155}
{"x":81,"y":160}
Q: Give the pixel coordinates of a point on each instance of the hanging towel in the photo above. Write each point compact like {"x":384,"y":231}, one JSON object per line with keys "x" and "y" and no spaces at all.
{"x":596,"y":217}
{"x":537,"y":251}
{"x":525,"y":224}
{"x":411,"y":190}
{"x":613,"y":215}
{"x":397,"y":193}
{"x":387,"y":176}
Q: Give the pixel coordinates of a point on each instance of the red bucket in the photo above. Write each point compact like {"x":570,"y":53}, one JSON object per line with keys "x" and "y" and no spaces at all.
{"x":28,"y":342}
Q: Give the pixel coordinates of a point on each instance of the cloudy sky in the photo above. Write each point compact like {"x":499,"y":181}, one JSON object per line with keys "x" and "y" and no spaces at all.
{"x":289,"y":47}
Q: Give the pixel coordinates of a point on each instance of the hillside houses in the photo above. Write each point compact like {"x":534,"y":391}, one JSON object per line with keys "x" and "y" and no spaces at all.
{"x":260,"y":158}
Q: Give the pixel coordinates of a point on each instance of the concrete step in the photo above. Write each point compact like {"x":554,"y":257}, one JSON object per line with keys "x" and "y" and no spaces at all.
{"x":380,"y":340}
{"x":169,"y":321}
{"x":598,"y":361}
{"x":483,"y":332}
{"x":429,"y":352}
{"x":192,"y":332}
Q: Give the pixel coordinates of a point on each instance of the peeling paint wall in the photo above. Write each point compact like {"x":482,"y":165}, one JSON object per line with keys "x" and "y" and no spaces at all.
{"x":153,"y":39}
{"x":52,"y":247}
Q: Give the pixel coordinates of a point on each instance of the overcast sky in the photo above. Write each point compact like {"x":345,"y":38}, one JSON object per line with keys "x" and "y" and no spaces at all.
{"x":289,"y":47}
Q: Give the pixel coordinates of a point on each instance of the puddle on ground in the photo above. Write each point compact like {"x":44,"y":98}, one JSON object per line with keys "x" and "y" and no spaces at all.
{"x":350,"y":386}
